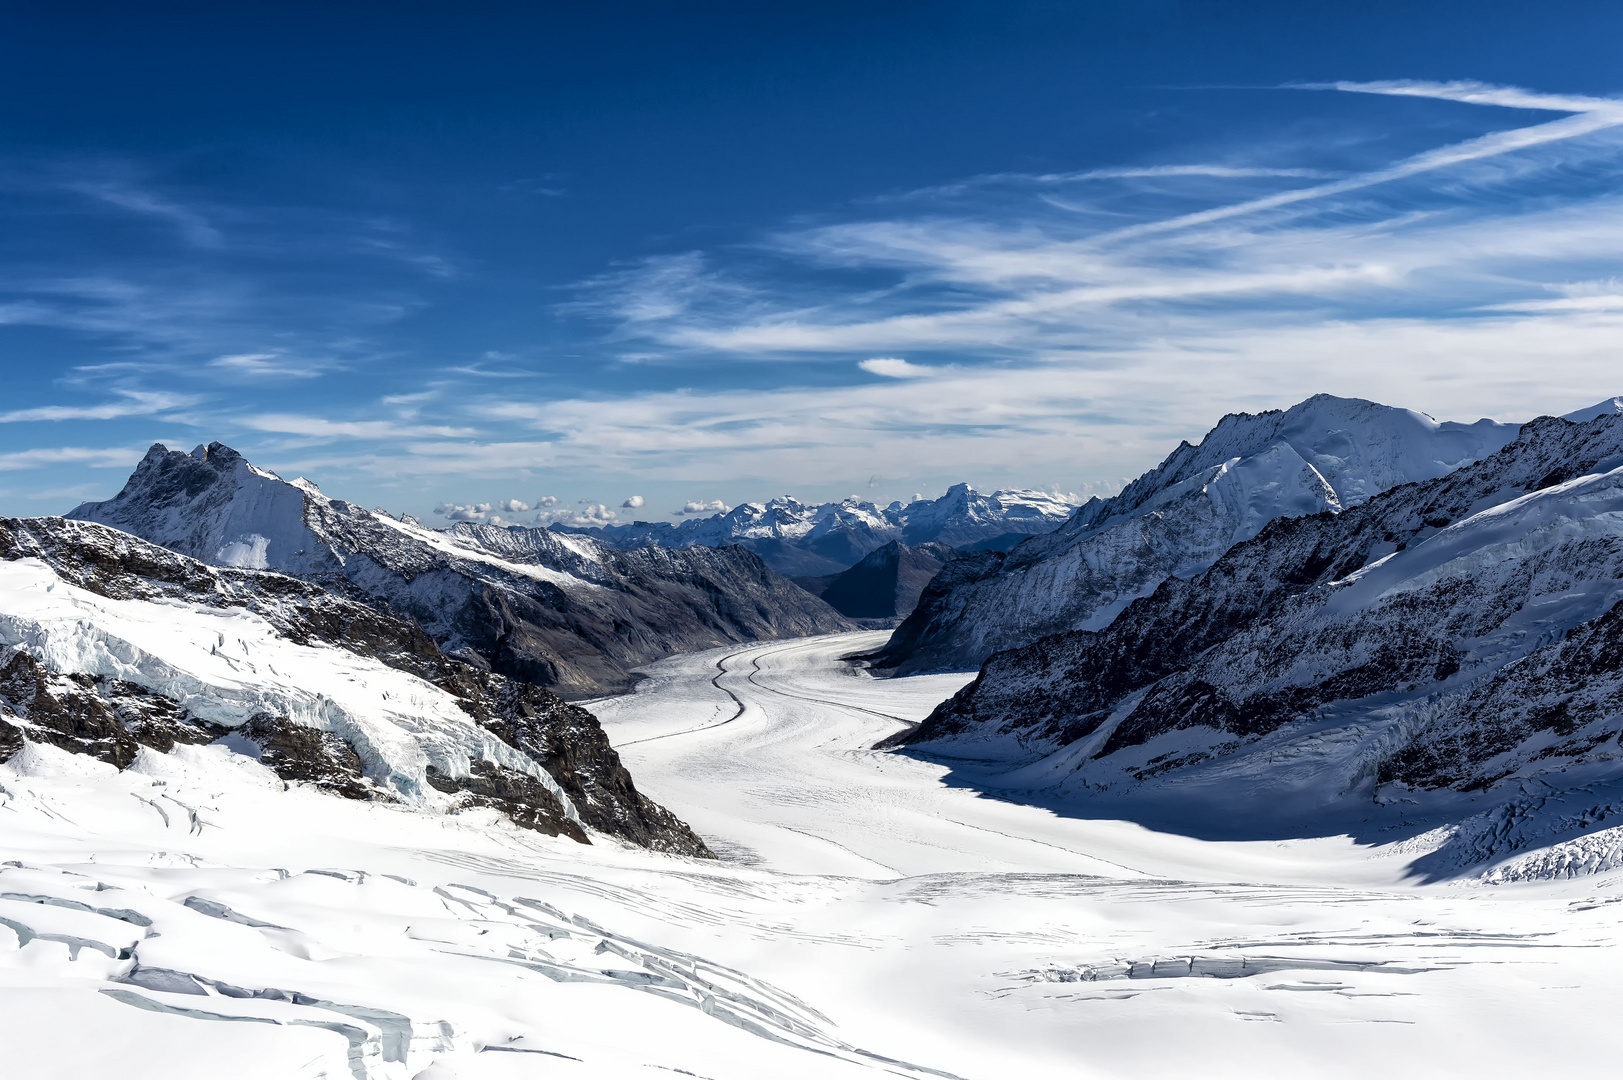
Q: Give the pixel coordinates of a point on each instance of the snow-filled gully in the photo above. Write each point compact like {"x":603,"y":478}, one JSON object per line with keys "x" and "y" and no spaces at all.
{"x":189,"y":917}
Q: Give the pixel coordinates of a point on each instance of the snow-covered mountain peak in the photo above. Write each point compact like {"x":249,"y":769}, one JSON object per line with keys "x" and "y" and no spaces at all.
{"x":214,"y":505}
{"x":1360,"y":448}
{"x":1324,"y":454}
{"x":563,"y":611}
{"x":1609,"y":407}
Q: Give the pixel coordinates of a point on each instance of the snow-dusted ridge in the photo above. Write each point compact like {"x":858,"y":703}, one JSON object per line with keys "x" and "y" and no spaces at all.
{"x":562,"y":611}
{"x":1324,"y":454}
{"x":804,"y":539}
{"x":1454,"y":644}
{"x":227,"y":666}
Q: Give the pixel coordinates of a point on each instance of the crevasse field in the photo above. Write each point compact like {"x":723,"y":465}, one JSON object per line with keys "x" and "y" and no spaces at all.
{"x":866,"y":919}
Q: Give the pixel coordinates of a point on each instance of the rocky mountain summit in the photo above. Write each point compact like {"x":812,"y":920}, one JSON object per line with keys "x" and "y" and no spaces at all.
{"x":566,"y":612}
{"x":1325,"y":454}
{"x":1451,"y":637}
{"x":113,"y":647}
{"x":802,"y":540}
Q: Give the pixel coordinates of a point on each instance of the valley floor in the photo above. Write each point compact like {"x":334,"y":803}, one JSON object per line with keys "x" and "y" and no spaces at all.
{"x":866,"y":919}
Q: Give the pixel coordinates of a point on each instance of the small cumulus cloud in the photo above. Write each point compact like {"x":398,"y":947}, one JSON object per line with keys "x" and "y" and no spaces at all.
{"x":513,"y":506}
{"x":693,"y":506}
{"x":584,"y":515}
{"x":633,"y":503}
{"x":892,"y":367}
{"x":480,"y":512}
{"x":545,"y":501}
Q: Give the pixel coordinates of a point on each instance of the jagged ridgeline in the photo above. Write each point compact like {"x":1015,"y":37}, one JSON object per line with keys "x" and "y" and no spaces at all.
{"x":1326,"y":453}
{"x":566,"y":612}
{"x":112,"y":647}
{"x":804,"y":540}
{"x":1450,"y":636}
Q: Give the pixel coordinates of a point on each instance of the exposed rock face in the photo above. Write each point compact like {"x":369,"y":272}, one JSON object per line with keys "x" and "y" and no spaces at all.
{"x":1463,"y":632}
{"x":801,"y":540}
{"x":562,"y":611}
{"x":303,"y":754}
{"x":108,"y":719}
{"x":1325,"y":454}
{"x":518,"y":796}
{"x":886,"y":583}
{"x":87,"y":712}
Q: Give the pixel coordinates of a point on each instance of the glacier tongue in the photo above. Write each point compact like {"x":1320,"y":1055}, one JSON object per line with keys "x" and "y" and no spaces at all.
{"x":226,"y":666}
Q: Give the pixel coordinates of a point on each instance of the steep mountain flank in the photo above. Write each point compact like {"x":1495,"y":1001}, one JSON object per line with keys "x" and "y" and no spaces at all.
{"x":560,"y":611}
{"x":109,"y":644}
{"x":1459,"y":633}
{"x":1325,"y":454}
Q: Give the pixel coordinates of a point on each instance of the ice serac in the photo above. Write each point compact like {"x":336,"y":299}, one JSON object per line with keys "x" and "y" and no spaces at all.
{"x":109,"y":644}
{"x":803,"y":540}
{"x":562,"y":611}
{"x":1324,"y":454}
{"x":1446,"y":637}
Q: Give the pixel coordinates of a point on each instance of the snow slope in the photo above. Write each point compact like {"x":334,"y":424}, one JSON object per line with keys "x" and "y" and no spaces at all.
{"x":1325,"y":454}
{"x":197,"y":920}
{"x":564,"y":612}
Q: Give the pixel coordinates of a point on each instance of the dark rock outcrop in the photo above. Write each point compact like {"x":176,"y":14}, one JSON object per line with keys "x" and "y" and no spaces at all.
{"x":105,"y":718}
{"x":886,"y":583}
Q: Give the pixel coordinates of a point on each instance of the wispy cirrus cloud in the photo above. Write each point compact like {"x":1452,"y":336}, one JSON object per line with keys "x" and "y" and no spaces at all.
{"x":94,"y":457}
{"x":320,"y":427}
{"x":125,"y":403}
{"x":192,"y":225}
{"x":267,"y":365}
{"x":1019,"y":282}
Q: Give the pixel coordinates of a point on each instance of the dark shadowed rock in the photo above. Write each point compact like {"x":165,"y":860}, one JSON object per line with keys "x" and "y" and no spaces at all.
{"x":887,"y":582}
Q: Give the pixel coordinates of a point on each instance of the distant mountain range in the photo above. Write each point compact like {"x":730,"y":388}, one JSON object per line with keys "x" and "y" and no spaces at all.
{"x":566,"y":612}
{"x":801,"y":540}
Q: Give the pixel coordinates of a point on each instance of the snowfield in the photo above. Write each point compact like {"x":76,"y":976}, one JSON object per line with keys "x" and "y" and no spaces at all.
{"x":193,"y":916}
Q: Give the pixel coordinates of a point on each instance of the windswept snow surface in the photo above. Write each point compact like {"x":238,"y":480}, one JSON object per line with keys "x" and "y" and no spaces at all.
{"x":190,"y":918}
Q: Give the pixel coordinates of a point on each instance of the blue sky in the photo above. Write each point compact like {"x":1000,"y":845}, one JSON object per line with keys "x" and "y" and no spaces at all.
{"x":558,"y":256}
